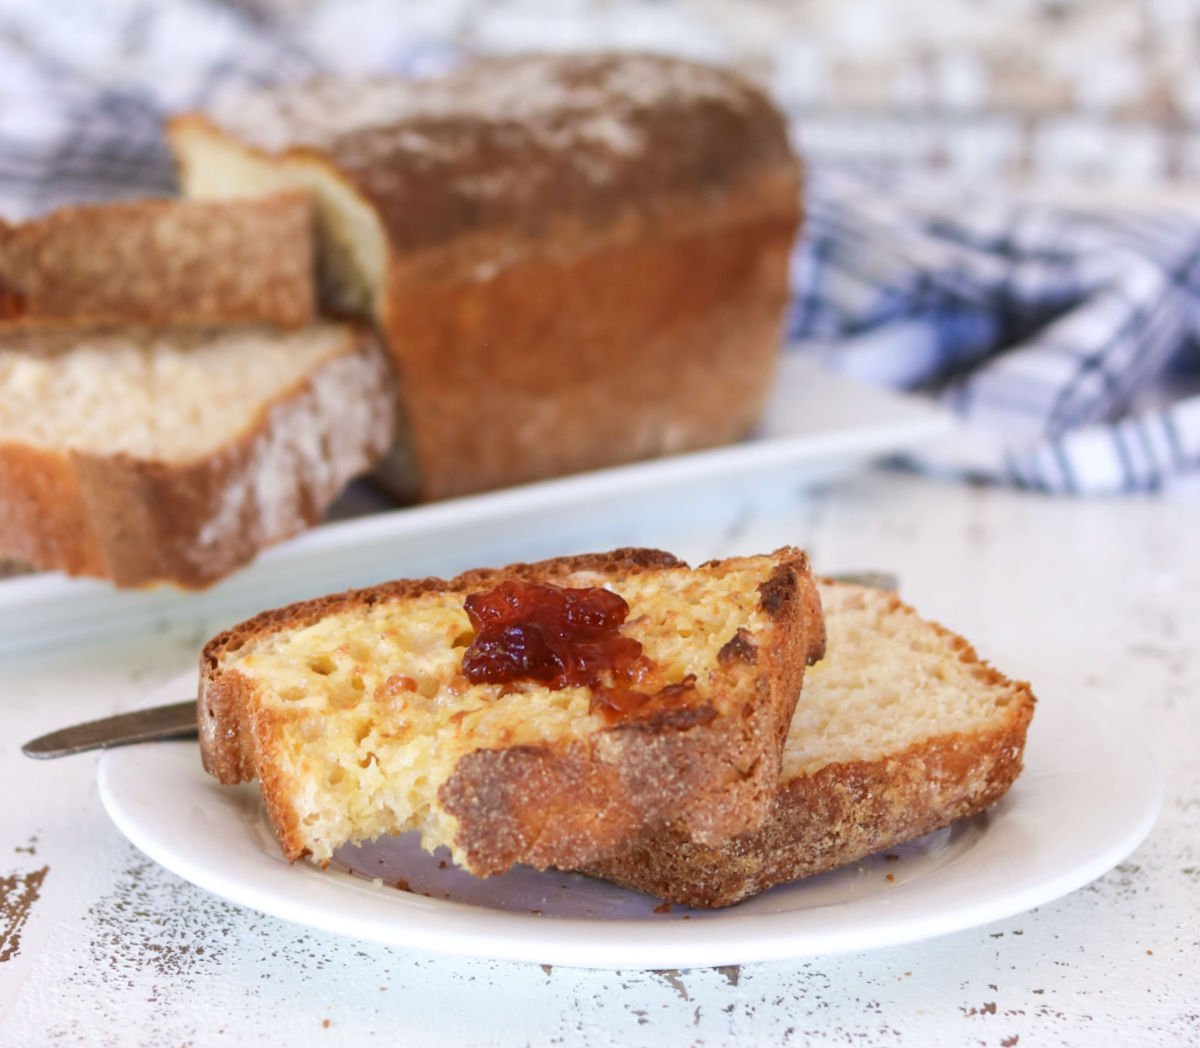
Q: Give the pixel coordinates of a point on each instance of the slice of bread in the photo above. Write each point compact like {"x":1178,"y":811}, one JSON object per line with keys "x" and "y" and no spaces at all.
{"x":176,"y":455}
{"x":161,"y":262}
{"x":354,"y":713}
{"x":576,"y":260}
{"x":901,"y":729}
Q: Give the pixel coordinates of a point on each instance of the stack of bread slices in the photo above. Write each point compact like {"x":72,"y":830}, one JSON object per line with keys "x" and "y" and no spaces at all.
{"x":568,"y":262}
{"x":170,"y":403}
{"x":772,"y":725}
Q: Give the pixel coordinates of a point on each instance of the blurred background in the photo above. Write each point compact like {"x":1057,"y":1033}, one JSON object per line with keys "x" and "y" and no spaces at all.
{"x":1002,"y":188}
{"x":1100,"y":91}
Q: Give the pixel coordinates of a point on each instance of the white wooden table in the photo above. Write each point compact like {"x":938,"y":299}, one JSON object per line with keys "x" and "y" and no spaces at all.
{"x":101,"y":946}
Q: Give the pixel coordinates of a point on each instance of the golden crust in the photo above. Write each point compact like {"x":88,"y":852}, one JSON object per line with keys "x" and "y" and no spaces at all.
{"x":708,"y":768}
{"x":627,"y":351}
{"x":138,"y":521}
{"x":163,"y":262}
{"x":844,"y":811}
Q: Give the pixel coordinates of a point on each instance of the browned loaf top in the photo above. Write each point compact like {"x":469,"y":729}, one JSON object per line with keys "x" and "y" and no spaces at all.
{"x":576,"y":261}
{"x":515,"y":144}
{"x":899,"y":731}
{"x":143,"y":455}
{"x":354,"y":714}
{"x":153,"y":262}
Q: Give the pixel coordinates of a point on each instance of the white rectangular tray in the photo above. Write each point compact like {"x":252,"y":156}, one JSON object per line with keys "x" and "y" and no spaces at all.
{"x":816,"y":426}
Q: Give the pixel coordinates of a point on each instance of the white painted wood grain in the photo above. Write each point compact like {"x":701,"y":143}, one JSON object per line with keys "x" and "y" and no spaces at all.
{"x":1099,"y":597}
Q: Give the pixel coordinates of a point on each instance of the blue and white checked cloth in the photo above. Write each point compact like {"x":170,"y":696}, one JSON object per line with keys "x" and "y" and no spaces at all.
{"x":1065,"y":337}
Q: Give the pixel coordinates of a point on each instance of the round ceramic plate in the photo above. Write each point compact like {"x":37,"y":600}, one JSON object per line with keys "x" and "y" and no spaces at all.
{"x":1087,"y":797}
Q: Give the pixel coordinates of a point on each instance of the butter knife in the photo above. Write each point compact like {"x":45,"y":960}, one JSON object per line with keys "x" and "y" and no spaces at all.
{"x":178,"y":720}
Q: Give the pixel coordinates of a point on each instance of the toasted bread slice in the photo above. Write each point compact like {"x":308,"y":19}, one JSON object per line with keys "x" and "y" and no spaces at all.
{"x":901,"y":729}
{"x":354,"y":713}
{"x":161,"y":262}
{"x":143,"y":456}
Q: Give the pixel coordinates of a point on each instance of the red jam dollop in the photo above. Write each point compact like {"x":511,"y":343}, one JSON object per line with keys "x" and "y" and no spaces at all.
{"x":559,"y":637}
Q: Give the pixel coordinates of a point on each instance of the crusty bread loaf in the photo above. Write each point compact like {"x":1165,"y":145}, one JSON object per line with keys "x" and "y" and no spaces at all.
{"x":354,"y":713}
{"x":900,"y":730}
{"x":576,"y":260}
{"x":148,"y":455}
{"x":157,"y":262}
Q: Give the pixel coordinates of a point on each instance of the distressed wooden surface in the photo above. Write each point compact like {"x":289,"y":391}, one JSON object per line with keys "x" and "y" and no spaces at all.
{"x":100,"y":946}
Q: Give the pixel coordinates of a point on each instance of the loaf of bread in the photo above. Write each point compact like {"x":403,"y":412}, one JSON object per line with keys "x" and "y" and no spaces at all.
{"x":146,"y":455}
{"x":365,"y":713}
{"x":576,"y":261}
{"x":900,"y":730}
{"x":161,"y":262}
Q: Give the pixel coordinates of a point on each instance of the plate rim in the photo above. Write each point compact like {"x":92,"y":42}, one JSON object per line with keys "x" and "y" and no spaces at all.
{"x":466,"y":930}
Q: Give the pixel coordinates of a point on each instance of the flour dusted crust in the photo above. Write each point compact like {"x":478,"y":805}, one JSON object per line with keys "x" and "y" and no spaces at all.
{"x":576,"y":260}
{"x":836,"y":808}
{"x":556,"y":795}
{"x":136,"y":513}
{"x":515,"y":143}
{"x":161,"y":262}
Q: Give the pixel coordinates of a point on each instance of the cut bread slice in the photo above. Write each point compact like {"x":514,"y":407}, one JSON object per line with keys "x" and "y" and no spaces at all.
{"x":901,"y":729}
{"x":354,"y":713}
{"x":161,"y":262}
{"x":576,"y":260}
{"x":156,"y":455}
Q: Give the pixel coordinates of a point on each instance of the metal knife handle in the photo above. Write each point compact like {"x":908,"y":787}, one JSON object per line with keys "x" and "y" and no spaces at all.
{"x":159,"y":722}
{"x":880,"y":580}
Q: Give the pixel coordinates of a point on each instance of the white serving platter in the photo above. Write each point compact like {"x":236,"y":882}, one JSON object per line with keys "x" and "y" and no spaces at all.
{"x":816,"y":426}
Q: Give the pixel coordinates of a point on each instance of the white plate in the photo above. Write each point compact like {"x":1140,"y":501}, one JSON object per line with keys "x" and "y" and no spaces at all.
{"x":1088,"y":796}
{"x":815,"y":426}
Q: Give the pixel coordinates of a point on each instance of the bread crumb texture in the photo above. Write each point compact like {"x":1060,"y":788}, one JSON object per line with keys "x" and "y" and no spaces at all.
{"x":890,"y":680}
{"x":146,"y":455}
{"x":366,"y":713}
{"x":160,"y":395}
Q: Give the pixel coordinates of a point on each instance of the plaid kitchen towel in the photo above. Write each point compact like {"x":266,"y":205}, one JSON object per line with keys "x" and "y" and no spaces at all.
{"x":84,"y":86}
{"x":1065,"y":338}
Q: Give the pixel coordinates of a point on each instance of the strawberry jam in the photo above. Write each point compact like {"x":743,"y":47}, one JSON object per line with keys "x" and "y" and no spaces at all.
{"x":559,"y":638}
{"x":619,"y":703}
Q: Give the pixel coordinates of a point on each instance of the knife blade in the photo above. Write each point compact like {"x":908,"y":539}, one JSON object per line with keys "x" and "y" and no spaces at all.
{"x":178,"y":720}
